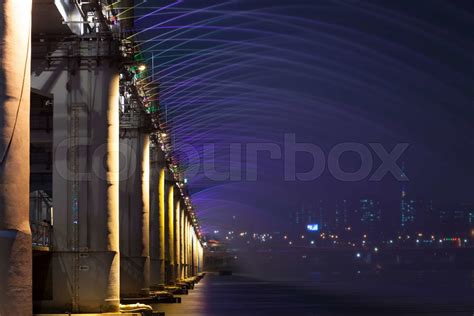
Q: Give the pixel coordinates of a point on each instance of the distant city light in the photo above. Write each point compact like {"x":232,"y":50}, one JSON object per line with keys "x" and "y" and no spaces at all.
{"x":358,"y":255}
{"x":312,"y":242}
{"x":376,"y":249}
{"x":312,"y":227}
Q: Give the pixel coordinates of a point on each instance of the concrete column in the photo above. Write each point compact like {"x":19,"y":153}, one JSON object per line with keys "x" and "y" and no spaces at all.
{"x":15,"y":234}
{"x":196,"y":253}
{"x":177,"y":239}
{"x":182,"y":242}
{"x":189,"y":247}
{"x":170,"y":250}
{"x":201,"y":258}
{"x":157,"y":218}
{"x":199,"y":252}
{"x":191,"y":252}
{"x":134,"y":212}
{"x":185,"y":245}
{"x":86,"y":259}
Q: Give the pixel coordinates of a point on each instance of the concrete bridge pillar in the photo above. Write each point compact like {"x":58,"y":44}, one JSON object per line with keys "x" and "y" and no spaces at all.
{"x":134,"y":212}
{"x":200,"y":257}
{"x":170,"y":233}
{"x":182,"y":240}
{"x":195,"y":252}
{"x":188,"y":247}
{"x":191,"y":248}
{"x":185,"y":244}
{"x":191,"y":251}
{"x":15,"y":234}
{"x":177,"y":236}
{"x":157,"y":217}
{"x":86,"y":259}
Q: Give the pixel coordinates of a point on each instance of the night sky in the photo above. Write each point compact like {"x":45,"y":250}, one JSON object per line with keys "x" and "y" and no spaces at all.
{"x":328,"y":72}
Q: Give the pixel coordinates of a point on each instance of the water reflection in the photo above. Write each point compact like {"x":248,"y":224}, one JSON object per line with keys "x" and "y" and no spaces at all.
{"x":417,"y":293}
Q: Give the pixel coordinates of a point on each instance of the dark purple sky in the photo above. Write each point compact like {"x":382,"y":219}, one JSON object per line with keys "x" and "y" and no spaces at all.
{"x":329,"y":72}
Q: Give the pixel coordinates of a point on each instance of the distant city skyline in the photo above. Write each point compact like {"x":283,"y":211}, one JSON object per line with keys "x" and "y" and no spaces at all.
{"x":371,"y":216}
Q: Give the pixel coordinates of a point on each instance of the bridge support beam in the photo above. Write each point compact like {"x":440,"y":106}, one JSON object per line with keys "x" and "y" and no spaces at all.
{"x":15,"y":234}
{"x":157,"y":217}
{"x":134,"y":212}
{"x":86,"y":258}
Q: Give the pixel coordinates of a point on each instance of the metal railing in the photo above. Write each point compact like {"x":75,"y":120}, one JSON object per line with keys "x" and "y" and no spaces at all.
{"x":134,"y":119}
{"x":41,"y":219}
{"x":41,"y":234}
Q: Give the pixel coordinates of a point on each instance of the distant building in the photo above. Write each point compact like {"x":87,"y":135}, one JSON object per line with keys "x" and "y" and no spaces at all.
{"x":426,"y":217}
{"x":445,"y":217}
{"x":470,"y":218}
{"x":456,"y":219}
{"x":302,"y":217}
{"x":371,"y":217}
{"x":407,"y":209}
{"x":341,"y":216}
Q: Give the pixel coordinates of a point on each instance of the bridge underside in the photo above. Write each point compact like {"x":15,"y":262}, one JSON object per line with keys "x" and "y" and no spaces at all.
{"x":85,"y":178}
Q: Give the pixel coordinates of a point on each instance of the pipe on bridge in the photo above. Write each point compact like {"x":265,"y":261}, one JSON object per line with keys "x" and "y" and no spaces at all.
{"x":15,"y":234}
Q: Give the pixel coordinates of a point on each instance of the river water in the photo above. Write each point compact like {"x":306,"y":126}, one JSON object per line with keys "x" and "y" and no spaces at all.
{"x":447,"y":293}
